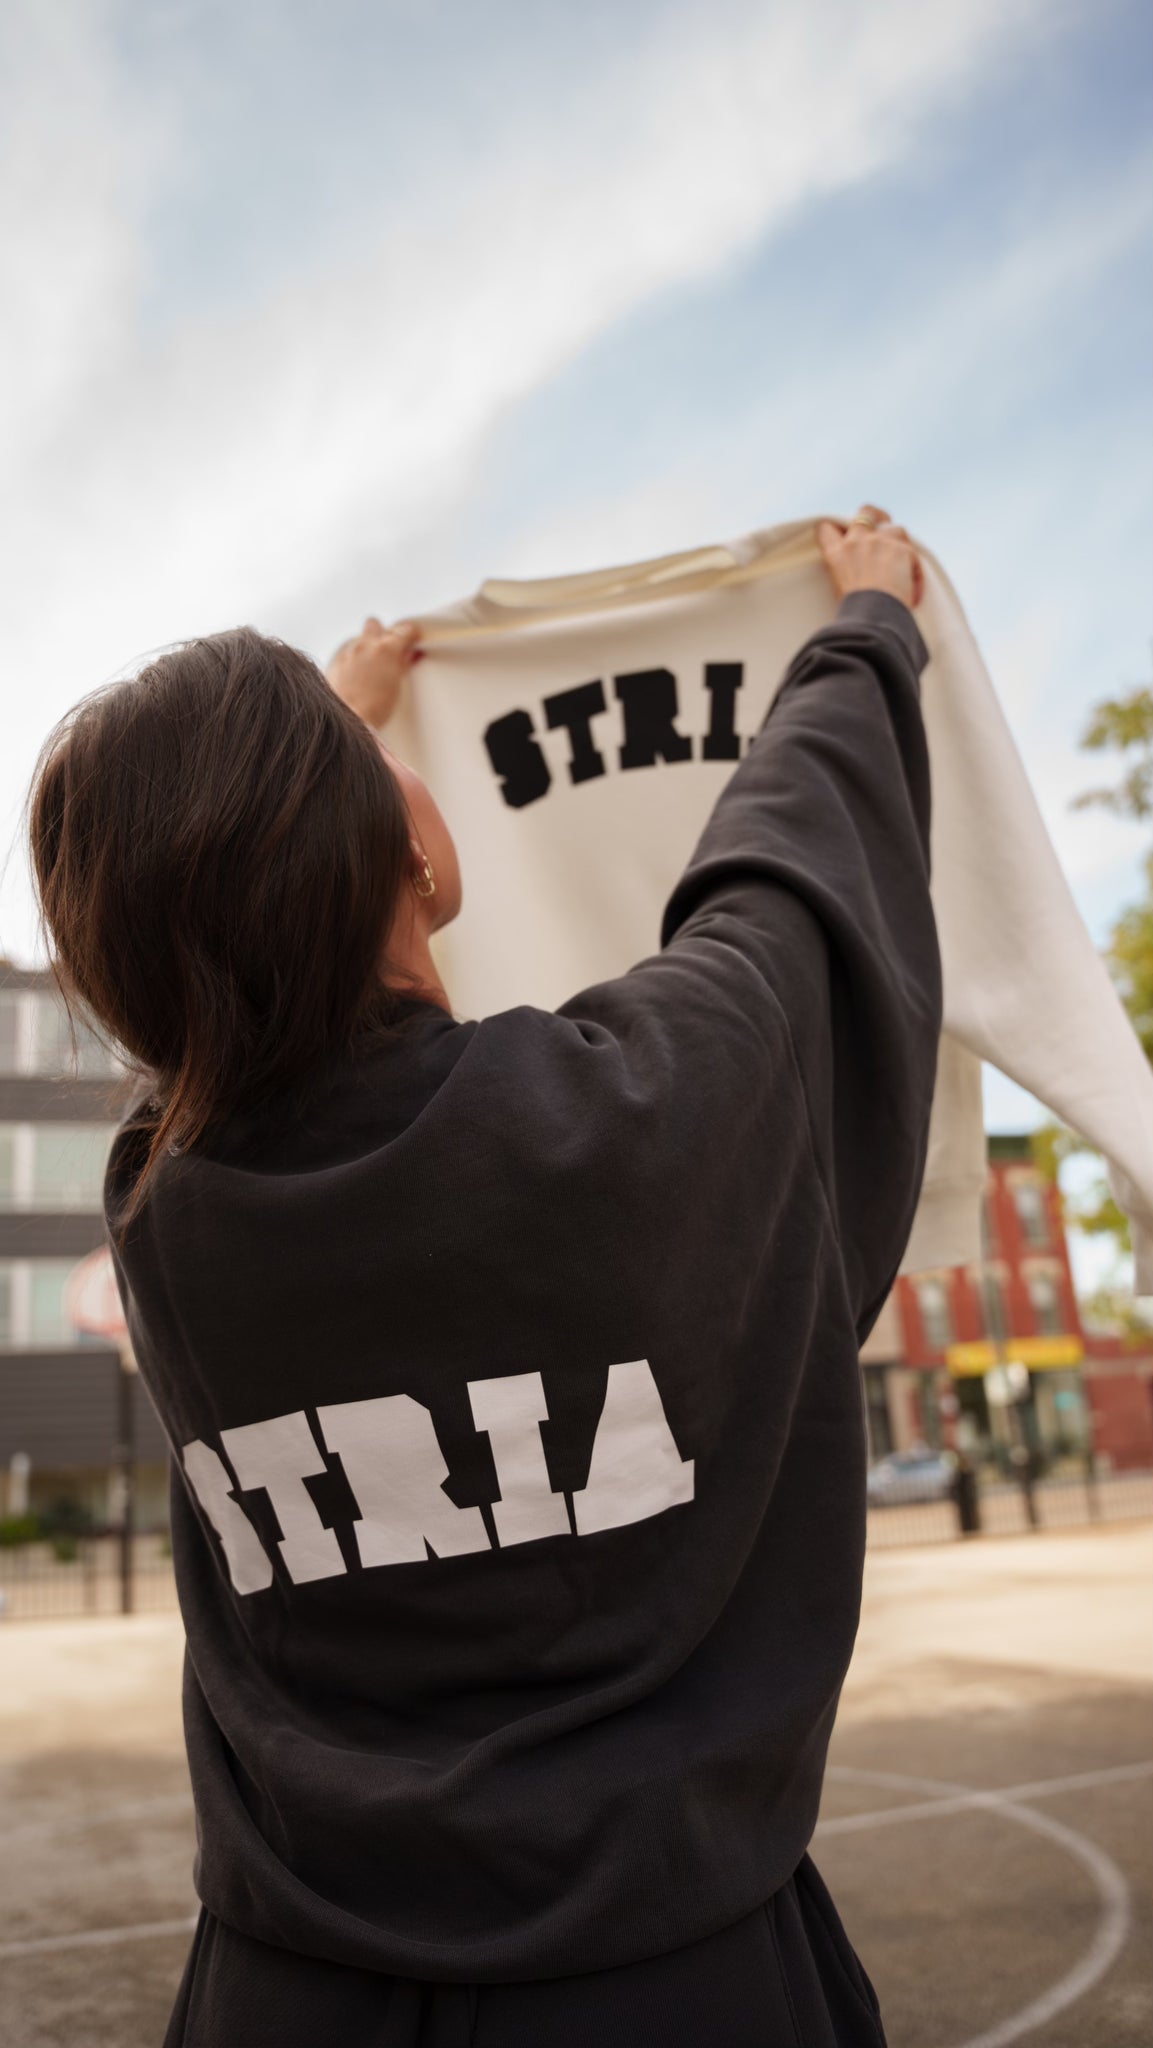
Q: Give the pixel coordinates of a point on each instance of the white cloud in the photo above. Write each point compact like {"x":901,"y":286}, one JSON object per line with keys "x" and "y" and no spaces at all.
{"x":170,"y":485}
{"x":71,"y":262}
{"x":1030,"y":544}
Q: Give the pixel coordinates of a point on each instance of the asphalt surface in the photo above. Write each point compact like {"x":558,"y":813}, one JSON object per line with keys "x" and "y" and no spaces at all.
{"x":986,"y":1830}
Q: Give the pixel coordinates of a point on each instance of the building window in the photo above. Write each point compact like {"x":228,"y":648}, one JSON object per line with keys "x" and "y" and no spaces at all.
{"x":9,"y":1031}
{"x":32,"y":1310}
{"x":53,"y":1165}
{"x":36,"y":1037}
{"x":1032,"y":1211}
{"x":52,"y":1049}
{"x":47,"y":1320}
{"x":93,"y":1057}
{"x":68,"y":1162}
{"x":993,"y":1309}
{"x":51,"y":1037}
{"x":1045,"y":1296}
{"x":936,"y":1315}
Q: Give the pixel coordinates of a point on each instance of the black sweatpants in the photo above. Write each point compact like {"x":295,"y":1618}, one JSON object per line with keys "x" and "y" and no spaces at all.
{"x":786,"y":1976}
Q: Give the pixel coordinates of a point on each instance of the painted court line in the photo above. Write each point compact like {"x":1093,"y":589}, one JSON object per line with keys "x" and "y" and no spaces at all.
{"x":1112,"y":1929}
{"x":1115,"y":1917}
{"x":925,"y":1809}
{"x":99,"y":1937}
{"x":177,"y":1803}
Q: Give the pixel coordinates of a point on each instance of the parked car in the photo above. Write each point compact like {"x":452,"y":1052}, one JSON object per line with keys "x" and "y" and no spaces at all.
{"x":916,"y":1475}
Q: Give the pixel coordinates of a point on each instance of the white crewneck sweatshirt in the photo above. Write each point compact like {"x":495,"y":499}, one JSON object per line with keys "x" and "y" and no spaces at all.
{"x":576,"y":732}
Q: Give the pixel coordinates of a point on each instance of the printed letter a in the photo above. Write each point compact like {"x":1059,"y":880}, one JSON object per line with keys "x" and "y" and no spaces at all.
{"x":636,"y":1468}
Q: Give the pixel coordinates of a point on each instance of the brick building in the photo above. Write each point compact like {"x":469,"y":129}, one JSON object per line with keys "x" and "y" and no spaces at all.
{"x":959,"y":1343}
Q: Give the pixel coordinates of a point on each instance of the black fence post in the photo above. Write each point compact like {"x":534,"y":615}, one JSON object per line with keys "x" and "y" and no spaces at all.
{"x":966,"y":1497}
{"x":1092,"y":1497}
{"x":90,"y":1567}
{"x":126,"y":1467}
{"x":1021,"y":1459}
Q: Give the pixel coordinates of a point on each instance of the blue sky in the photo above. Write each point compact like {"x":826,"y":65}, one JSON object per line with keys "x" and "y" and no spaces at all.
{"x":328,"y":309}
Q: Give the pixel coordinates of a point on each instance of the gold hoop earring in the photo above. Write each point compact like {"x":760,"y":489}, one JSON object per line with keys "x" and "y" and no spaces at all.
{"x":427,"y":886}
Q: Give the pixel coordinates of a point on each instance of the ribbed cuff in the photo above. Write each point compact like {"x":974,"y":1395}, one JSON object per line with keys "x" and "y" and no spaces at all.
{"x":881,"y":608}
{"x":946,"y":1228}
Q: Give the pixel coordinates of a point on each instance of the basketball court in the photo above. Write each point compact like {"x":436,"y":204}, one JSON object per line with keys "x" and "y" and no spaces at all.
{"x":986,"y":1827}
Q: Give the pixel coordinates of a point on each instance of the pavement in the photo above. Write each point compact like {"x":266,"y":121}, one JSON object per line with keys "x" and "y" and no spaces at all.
{"x":1019,"y":1670}
{"x":985,"y":1830}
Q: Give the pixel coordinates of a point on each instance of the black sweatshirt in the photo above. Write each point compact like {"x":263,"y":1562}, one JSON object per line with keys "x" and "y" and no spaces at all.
{"x":519,"y":1446}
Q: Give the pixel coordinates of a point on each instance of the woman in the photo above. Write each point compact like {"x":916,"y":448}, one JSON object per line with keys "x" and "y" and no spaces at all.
{"x":509,"y":1366}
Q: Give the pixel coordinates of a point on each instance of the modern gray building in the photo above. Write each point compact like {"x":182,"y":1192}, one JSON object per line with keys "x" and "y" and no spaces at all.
{"x":60,"y":1416}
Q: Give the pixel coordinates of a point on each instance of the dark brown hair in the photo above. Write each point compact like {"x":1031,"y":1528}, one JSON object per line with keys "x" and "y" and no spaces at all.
{"x":219,"y":848}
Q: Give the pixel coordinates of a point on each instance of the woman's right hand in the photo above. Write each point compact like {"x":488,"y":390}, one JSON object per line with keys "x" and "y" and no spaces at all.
{"x":877,"y":556}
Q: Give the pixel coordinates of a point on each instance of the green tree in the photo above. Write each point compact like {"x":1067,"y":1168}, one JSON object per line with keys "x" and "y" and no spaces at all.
{"x":1094,"y":1211}
{"x":1123,"y":726}
{"x":1130,"y":959}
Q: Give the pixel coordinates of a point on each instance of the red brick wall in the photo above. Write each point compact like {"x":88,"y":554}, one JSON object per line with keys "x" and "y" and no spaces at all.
{"x":1122,"y":1410}
{"x":1008,"y":1246}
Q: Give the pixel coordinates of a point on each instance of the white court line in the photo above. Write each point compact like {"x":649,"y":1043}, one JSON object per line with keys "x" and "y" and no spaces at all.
{"x":181,"y":1802}
{"x":1112,"y":1930}
{"x":925,"y":1809}
{"x":99,"y":1937}
{"x":1116,"y":1913}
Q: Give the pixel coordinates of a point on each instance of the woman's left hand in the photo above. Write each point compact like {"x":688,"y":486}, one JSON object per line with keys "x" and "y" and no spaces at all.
{"x":369,"y":672}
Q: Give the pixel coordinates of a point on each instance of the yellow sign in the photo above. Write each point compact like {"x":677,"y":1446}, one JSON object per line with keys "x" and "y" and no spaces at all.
{"x":966,"y":1360}
{"x":1040,"y":1354}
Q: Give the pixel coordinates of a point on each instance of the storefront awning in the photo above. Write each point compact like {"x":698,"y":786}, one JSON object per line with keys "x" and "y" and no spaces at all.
{"x":1040,"y":1354}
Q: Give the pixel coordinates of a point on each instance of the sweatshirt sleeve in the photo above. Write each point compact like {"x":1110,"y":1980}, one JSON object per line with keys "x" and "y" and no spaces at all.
{"x":799,"y":950}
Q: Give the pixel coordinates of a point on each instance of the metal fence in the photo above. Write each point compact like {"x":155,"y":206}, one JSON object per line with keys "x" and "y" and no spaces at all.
{"x":101,"y":1575}
{"x":1007,"y":1507}
{"x":86,"y":1575}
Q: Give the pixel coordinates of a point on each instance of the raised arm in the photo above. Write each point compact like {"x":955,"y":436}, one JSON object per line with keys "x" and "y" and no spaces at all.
{"x":799,"y":974}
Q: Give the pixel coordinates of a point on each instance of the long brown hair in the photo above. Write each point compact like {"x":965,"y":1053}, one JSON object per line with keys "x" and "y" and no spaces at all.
{"x":219,"y":847}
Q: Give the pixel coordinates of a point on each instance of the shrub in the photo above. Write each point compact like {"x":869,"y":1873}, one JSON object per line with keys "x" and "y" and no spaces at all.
{"x":67,"y":1517}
